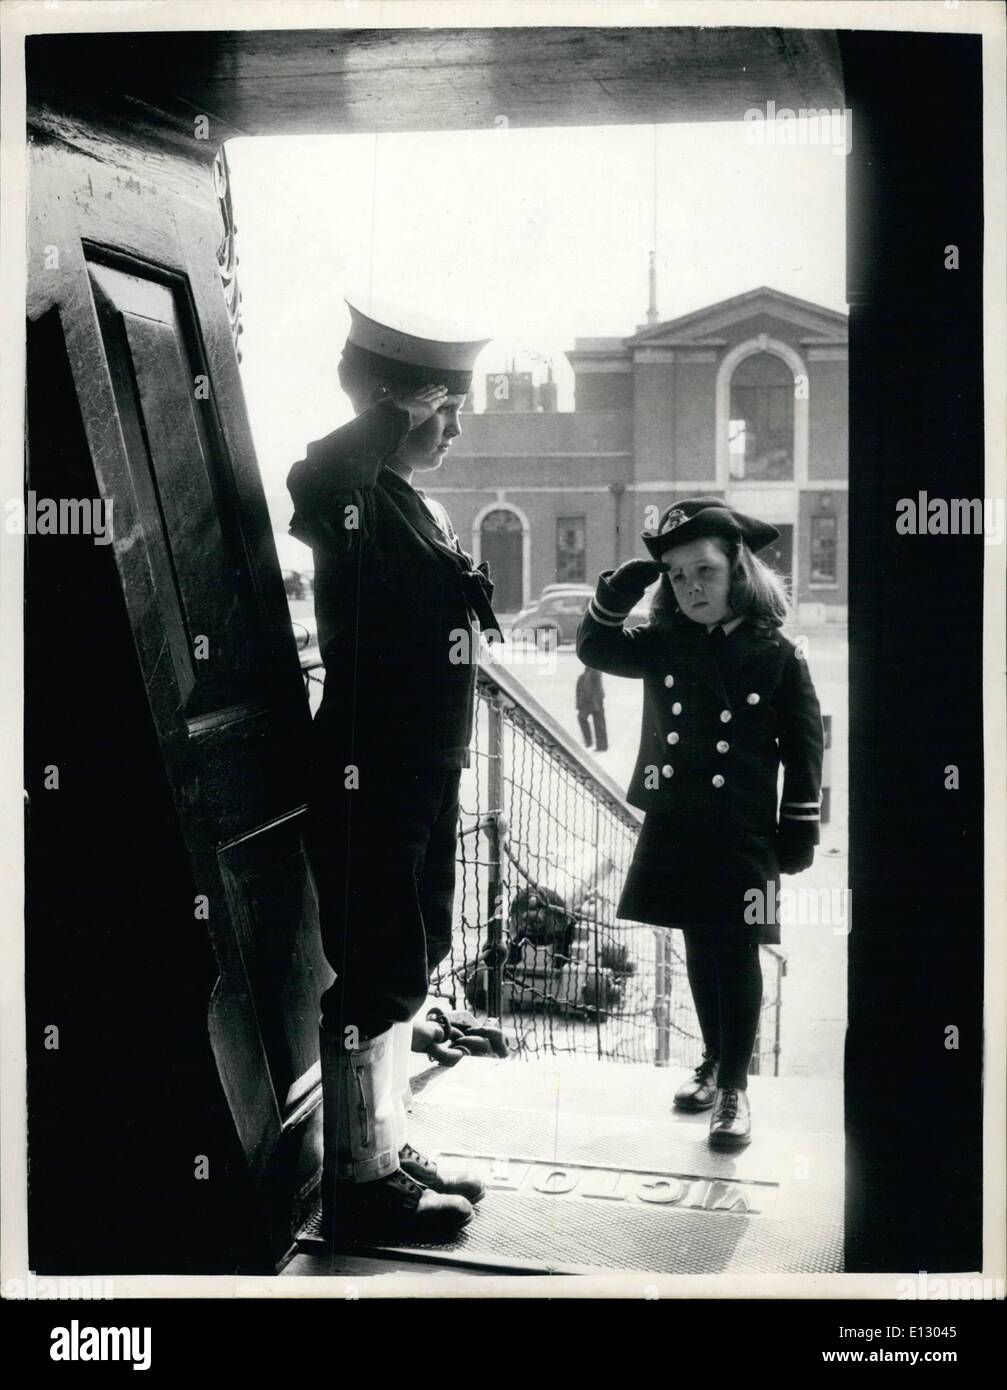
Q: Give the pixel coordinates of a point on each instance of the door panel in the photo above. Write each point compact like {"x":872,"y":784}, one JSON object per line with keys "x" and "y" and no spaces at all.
{"x":502,"y":549}
{"x":269,"y":895}
{"x":183,"y":481}
{"x":500,"y":543}
{"x":150,"y":348}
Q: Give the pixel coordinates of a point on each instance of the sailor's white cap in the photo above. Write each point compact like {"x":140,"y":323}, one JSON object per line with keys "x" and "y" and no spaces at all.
{"x":410,"y":348}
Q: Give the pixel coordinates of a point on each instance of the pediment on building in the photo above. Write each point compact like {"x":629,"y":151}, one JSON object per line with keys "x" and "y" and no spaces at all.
{"x":703,"y":328}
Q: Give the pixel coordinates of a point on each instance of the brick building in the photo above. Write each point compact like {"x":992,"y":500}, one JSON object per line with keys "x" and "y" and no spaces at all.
{"x":746,"y":399}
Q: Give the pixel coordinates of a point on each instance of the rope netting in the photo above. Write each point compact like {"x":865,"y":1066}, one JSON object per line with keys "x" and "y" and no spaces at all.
{"x":544,"y":847}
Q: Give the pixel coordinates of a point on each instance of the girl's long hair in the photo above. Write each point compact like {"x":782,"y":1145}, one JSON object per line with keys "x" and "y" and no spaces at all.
{"x":756,"y":591}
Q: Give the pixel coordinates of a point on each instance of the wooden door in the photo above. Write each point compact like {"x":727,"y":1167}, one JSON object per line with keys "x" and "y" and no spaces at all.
{"x":129,"y":264}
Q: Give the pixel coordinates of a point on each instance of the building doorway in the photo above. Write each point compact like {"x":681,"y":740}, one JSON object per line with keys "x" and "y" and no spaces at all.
{"x":501,"y":541}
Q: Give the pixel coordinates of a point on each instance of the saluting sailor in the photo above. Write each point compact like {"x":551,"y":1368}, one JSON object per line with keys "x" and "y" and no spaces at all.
{"x":397,"y":602}
{"x":727,"y":700}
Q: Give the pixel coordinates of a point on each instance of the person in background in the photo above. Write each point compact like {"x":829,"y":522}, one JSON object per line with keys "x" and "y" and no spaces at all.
{"x":591,"y":709}
{"x":727,"y":700}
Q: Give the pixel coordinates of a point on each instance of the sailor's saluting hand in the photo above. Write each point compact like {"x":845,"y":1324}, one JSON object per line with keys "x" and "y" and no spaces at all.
{"x":420,"y":404}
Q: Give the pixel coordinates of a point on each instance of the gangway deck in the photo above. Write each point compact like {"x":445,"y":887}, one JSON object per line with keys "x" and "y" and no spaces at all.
{"x":589,"y":1171}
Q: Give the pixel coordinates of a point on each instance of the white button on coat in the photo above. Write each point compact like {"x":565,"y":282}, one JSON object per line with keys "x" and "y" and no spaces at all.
{"x":725,"y":716}
{"x":718,"y":781}
{"x":667,"y":770}
{"x":669,"y":681}
{"x":753,"y":699}
{"x":723,"y":746}
{"x":673,"y":738}
{"x":676,"y":708}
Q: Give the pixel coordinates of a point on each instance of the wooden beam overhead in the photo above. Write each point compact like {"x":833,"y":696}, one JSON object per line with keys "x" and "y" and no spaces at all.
{"x":300,"y":82}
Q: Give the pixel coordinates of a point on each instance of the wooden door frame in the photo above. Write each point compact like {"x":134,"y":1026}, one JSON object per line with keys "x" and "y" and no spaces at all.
{"x":191,"y":263}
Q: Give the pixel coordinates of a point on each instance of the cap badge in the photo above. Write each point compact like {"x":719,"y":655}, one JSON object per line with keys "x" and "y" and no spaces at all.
{"x":673,"y":519}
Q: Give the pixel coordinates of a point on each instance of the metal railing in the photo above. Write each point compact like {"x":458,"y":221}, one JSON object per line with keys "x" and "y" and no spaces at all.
{"x":545,"y":843}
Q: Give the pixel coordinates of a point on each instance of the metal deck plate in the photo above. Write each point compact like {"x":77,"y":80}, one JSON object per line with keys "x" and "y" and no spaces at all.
{"x":625,"y":1192}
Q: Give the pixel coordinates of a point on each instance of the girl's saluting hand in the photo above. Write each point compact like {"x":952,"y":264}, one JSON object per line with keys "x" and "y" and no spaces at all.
{"x":632,"y":580}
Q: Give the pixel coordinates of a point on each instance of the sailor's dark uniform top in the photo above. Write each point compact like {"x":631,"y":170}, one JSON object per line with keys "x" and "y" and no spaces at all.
{"x":396,"y":601}
{"x":720,"y":716}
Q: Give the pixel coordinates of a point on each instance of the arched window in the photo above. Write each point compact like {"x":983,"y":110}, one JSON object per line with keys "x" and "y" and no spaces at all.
{"x":761,"y":421}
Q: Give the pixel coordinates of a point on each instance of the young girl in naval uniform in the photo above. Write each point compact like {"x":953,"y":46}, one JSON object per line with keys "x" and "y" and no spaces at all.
{"x":727,"y":700}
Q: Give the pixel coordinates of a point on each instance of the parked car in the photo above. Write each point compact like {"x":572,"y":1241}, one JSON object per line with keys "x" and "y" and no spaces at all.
{"x":556,"y":616}
{"x":567,"y":586}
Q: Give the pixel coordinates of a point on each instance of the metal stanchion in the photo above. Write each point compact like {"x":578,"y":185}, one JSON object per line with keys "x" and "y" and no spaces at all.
{"x":494,"y":887}
{"x":662,"y":997}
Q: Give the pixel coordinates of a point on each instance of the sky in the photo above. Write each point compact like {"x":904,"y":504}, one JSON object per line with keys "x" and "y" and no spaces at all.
{"x":529,"y":237}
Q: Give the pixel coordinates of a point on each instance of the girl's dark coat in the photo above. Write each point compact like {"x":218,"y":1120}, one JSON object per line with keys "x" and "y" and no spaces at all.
{"x":707,"y":843}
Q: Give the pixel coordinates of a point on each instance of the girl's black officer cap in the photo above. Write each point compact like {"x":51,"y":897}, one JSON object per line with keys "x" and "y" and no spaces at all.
{"x":698,"y":517}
